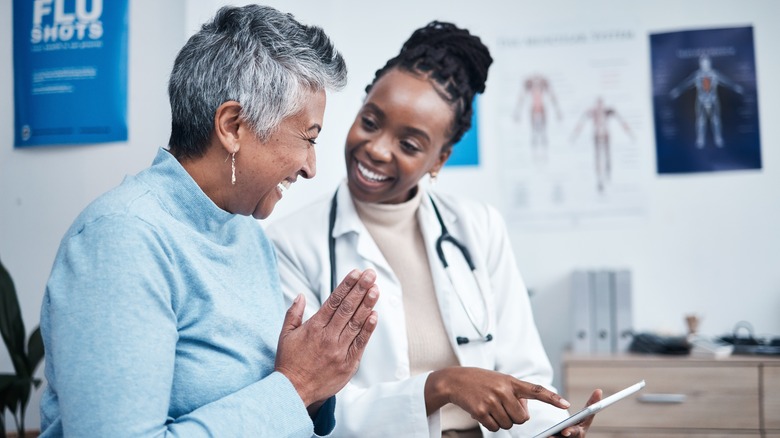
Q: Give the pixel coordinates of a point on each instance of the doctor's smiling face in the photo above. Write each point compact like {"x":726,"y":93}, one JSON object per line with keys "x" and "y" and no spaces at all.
{"x":401,"y":133}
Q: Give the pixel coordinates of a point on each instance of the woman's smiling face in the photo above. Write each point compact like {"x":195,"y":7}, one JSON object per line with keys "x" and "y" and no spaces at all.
{"x":398,"y":136}
{"x":265,"y":169}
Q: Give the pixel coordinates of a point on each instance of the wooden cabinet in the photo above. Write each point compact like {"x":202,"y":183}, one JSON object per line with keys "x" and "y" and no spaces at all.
{"x":705,"y":398}
{"x":771,"y":398}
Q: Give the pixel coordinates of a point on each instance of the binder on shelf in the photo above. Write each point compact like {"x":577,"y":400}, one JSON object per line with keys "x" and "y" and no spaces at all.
{"x":601,"y":321}
{"x":601,"y":312}
{"x":580,"y":312}
{"x":623,"y":318}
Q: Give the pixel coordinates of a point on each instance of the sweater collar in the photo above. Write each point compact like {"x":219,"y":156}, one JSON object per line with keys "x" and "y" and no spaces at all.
{"x":388,"y":215}
{"x":182,"y":197}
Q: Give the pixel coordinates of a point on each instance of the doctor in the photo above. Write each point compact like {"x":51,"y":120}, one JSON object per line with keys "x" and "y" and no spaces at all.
{"x":457,"y":352}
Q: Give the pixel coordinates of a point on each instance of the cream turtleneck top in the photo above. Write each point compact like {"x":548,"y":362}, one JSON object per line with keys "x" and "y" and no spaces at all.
{"x":396,"y":231}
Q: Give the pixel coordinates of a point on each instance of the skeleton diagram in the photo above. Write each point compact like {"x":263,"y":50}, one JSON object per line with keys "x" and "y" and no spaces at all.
{"x":706,"y":81}
{"x":599,"y":116}
{"x":536,"y":88}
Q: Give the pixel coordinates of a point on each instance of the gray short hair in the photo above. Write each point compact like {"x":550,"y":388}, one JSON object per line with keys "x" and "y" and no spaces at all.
{"x":255,"y":55}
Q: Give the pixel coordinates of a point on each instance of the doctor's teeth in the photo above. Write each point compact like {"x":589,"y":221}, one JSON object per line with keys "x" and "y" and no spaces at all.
{"x":370,"y":175}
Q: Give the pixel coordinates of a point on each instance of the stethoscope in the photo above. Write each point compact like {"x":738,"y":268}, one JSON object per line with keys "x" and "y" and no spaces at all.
{"x":483,"y":330}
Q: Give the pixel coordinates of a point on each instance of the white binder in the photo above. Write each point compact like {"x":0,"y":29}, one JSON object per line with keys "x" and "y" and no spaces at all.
{"x":623,"y":317}
{"x":601,"y":323}
{"x":580,"y":303}
{"x":601,"y":313}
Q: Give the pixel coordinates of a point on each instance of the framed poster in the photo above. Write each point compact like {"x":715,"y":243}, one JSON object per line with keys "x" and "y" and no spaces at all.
{"x":70,"y":71}
{"x":705,"y":100}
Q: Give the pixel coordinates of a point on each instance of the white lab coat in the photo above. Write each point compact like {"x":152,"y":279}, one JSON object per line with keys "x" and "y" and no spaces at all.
{"x":382,"y":399}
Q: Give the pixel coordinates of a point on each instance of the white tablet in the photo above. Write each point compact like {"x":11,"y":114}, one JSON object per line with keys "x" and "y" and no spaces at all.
{"x":592,"y":409}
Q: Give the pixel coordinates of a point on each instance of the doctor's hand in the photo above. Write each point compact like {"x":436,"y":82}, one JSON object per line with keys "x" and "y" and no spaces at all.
{"x":496,"y":400}
{"x":319,"y":356}
{"x":580,"y":429}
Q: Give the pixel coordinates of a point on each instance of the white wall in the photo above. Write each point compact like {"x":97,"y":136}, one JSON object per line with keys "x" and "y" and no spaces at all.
{"x":43,"y":189}
{"x":708,"y":244}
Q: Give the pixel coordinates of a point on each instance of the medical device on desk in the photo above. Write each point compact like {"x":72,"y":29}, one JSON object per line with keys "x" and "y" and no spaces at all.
{"x":482,"y":330}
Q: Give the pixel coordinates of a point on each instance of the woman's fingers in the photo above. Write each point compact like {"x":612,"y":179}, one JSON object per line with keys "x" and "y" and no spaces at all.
{"x":323,"y":316}
{"x":360,"y":341}
{"x":337,"y":311}
{"x":320,"y":355}
{"x":293,"y":318}
{"x":349,"y":309}
{"x":364,"y":308}
{"x":502,"y":418}
{"x":538,"y":392}
{"x":492,"y":398}
{"x":517,"y":409}
{"x":485,"y":419}
{"x":581,"y":428}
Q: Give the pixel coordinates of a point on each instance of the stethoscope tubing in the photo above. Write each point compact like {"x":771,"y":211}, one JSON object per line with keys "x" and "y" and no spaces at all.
{"x":444,"y":237}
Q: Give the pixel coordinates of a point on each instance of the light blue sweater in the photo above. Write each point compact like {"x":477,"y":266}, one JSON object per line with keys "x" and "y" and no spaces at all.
{"x":161,"y":318}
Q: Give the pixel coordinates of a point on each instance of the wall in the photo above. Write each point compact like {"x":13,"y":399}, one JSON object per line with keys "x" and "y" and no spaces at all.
{"x":43,"y":189}
{"x":709,"y":243}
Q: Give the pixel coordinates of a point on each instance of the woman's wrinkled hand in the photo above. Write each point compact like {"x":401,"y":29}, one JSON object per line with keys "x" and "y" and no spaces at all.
{"x":319,"y":356}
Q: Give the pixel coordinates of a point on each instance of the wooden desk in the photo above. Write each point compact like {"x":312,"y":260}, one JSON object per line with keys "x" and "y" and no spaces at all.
{"x":705,"y":398}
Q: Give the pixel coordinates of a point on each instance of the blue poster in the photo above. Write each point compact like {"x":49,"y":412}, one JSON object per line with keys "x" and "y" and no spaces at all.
{"x":466,"y":151}
{"x":705,"y":100}
{"x":70,"y":71}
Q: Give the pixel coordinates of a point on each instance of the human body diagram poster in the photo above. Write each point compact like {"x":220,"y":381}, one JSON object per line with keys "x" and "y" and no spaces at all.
{"x":573,"y":125}
{"x":70,"y":71}
{"x":705,"y":100}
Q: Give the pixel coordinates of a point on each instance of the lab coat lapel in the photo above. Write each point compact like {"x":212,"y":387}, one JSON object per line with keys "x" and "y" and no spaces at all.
{"x":386,"y":356}
{"x":347,"y":222}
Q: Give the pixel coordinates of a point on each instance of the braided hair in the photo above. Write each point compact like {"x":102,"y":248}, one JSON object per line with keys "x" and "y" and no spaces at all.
{"x":454,"y":59}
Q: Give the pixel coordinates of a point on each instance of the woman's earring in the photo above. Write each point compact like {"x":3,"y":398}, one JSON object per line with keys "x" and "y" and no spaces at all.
{"x":433,"y":176}
{"x":233,"y":166}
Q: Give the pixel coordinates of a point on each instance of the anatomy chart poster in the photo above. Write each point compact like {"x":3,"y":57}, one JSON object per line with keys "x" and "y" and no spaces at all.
{"x":70,"y":71}
{"x":705,"y":100}
{"x":573,"y":124}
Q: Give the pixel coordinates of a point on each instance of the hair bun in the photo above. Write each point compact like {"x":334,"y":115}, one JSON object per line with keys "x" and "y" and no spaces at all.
{"x":439,"y":39}
{"x":451,"y":57}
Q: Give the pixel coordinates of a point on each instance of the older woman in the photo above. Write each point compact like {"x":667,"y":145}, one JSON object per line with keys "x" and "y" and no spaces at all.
{"x":163,"y":311}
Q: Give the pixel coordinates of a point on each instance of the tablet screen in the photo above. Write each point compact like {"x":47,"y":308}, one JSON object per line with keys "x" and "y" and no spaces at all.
{"x":592,"y":409}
